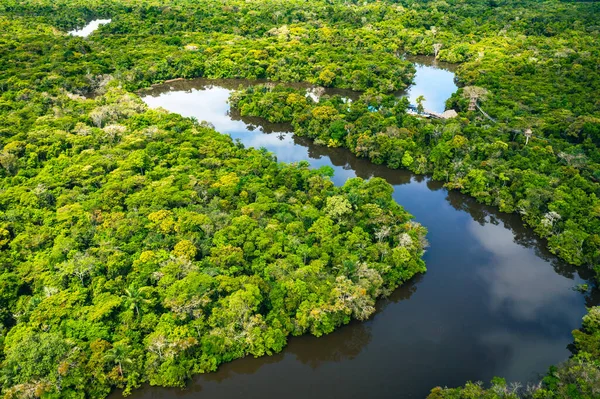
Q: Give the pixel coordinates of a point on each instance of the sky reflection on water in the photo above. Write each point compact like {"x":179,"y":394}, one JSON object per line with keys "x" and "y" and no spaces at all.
{"x":493,"y":302}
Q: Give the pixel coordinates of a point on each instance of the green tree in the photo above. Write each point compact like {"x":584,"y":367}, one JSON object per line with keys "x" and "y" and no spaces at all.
{"x":420,"y":100}
{"x":119,"y":355}
{"x":136,"y":297}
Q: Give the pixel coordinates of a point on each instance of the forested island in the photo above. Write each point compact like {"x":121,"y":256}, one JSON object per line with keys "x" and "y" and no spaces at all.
{"x":139,"y":246}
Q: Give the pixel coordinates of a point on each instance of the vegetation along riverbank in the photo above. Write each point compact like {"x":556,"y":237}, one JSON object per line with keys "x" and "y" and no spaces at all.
{"x":140,"y":246}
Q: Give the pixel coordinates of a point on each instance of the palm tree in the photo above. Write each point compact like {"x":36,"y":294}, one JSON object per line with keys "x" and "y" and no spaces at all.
{"x":135,"y":297}
{"x":118,"y":355}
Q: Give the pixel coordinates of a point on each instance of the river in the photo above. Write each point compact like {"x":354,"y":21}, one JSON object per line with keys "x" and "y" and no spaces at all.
{"x":494,"y":301}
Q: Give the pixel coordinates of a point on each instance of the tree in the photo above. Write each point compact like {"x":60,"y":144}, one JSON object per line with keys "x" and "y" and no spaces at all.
{"x":337,"y":206}
{"x":185,"y":249}
{"x":436,"y":49}
{"x":475,"y":92}
{"x":326,"y":77}
{"x":81,"y":266}
{"x":407,"y":159}
{"x":119,"y":355}
{"x":420,"y":100}
{"x":136,"y":297}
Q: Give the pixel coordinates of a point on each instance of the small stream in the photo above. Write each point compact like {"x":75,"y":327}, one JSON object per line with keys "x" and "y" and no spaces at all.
{"x":494,"y":301}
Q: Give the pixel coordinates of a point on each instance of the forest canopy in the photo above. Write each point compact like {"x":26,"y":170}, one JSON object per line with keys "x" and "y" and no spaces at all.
{"x":138,"y":246}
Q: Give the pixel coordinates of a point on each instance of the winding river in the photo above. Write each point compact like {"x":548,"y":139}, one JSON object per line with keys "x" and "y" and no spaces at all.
{"x":494,"y":301}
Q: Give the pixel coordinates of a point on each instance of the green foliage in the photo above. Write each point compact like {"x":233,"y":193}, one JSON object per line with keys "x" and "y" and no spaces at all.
{"x":139,"y":246}
{"x":574,"y":379}
{"x":553,"y":190}
{"x":577,"y":378}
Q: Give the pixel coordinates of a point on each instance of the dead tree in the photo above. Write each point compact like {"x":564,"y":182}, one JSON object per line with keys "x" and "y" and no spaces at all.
{"x":436,"y":49}
{"x":528,"y":133}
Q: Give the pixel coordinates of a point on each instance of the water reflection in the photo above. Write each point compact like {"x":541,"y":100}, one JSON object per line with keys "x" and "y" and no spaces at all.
{"x":434,"y":80}
{"x":493,"y":302}
{"x":520,"y":290}
{"x":89,"y":28}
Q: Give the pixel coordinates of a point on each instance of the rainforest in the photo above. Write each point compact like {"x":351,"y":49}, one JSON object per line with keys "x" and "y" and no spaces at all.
{"x":186,"y":186}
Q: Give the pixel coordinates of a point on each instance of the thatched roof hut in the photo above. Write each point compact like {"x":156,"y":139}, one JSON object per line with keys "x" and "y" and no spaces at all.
{"x":449,"y":114}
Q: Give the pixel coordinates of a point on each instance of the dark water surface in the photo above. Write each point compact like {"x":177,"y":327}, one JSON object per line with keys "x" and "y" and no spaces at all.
{"x":494,"y":302}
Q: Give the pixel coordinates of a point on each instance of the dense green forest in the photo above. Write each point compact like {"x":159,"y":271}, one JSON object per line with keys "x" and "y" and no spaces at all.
{"x":139,"y":246}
